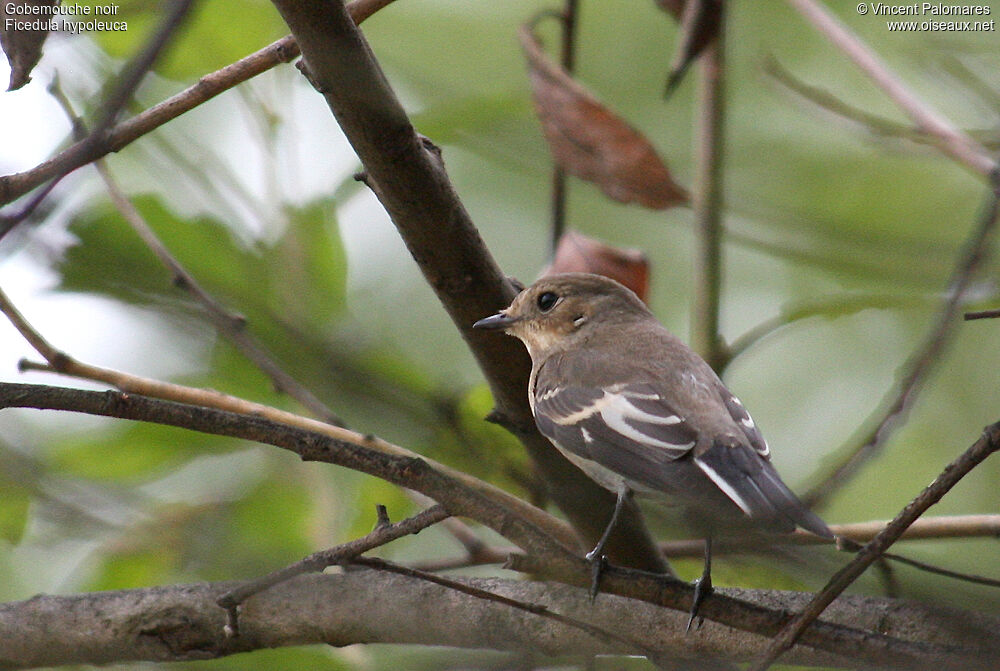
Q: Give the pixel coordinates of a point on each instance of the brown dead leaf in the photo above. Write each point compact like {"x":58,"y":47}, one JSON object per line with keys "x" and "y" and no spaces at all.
{"x":589,"y":141}
{"x":673,"y":7}
{"x":700,"y":22}
{"x":23,"y":47}
{"x":578,"y":253}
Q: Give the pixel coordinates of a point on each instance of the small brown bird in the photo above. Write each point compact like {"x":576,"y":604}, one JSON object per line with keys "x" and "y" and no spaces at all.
{"x":640,"y":412}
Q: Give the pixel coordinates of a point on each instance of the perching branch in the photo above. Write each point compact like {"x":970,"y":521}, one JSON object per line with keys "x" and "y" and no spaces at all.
{"x":183,"y":622}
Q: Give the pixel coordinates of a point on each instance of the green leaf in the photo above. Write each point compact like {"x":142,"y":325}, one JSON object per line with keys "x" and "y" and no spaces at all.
{"x":14,"y":506}
{"x":215,"y":34}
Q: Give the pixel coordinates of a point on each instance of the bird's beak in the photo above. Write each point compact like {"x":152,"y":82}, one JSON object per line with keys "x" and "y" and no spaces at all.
{"x":500,"y":320}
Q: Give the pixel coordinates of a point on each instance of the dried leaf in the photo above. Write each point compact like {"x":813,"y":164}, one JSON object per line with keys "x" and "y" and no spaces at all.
{"x":589,"y":141}
{"x":23,"y":47}
{"x":700,"y":22}
{"x":673,"y":7}
{"x":577,"y":253}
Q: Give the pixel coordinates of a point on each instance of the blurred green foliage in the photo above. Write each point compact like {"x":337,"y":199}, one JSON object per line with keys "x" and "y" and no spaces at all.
{"x":819,"y":213}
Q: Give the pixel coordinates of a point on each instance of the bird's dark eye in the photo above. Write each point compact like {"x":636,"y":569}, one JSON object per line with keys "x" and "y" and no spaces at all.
{"x":546,"y":301}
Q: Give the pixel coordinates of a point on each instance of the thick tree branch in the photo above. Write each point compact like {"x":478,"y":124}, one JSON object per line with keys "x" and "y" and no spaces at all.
{"x":406,"y":173}
{"x":183,"y":622}
{"x":460,"y":493}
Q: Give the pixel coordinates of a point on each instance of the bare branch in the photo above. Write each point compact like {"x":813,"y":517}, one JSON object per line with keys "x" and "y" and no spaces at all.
{"x":955,"y":471}
{"x":955,"y":143}
{"x":208,"y":86}
{"x":62,"y":363}
{"x":706,"y":201}
{"x":926,"y":528}
{"x":872,"y":123}
{"x":382,"y":534}
{"x":871,"y":647}
{"x":132,"y":75}
{"x":183,"y":622}
{"x":918,"y":367}
{"x":536,"y":609}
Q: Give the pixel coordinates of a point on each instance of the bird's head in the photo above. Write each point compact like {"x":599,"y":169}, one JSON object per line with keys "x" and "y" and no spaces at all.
{"x":560,"y":310}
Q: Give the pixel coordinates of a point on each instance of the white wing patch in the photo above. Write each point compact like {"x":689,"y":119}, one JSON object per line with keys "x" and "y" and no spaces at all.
{"x":725,"y":486}
{"x":749,"y":427}
{"x":617,"y":412}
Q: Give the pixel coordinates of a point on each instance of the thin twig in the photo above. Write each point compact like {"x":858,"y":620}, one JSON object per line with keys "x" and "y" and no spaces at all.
{"x":208,"y":86}
{"x":987,"y":444}
{"x":926,"y":528}
{"x":567,"y":20}
{"x":129,"y":80}
{"x":983,"y":314}
{"x":873,"y":123}
{"x":231,"y":325}
{"x":954,"y":142}
{"x":919,"y":365}
{"x":382,"y":534}
{"x":824,"y":306}
{"x":706,"y":201}
{"x":62,"y":363}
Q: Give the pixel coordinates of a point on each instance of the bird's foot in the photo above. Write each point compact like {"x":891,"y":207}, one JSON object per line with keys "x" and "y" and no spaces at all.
{"x":702,"y":588}
{"x":597,"y":562}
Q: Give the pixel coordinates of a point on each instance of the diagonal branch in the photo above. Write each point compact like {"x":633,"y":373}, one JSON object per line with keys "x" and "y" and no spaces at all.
{"x":987,"y":444}
{"x":955,"y":143}
{"x":383,"y":533}
{"x":132,"y":75}
{"x":60,"y":362}
{"x":407,"y":175}
{"x":208,"y":86}
{"x":923,"y":359}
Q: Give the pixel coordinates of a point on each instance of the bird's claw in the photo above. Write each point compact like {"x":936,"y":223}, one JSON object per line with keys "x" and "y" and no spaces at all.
{"x":702,"y":588}
{"x":597,"y":563}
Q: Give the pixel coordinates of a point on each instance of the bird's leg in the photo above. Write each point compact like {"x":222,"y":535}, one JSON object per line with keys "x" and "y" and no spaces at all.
{"x":703,"y":585}
{"x":596,"y":556}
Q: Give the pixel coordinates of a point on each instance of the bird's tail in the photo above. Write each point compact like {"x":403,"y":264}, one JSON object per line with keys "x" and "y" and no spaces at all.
{"x":754,"y":485}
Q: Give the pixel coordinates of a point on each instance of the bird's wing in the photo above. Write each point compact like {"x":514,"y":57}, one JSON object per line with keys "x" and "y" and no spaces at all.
{"x":744,"y":421}
{"x":627,"y":428}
